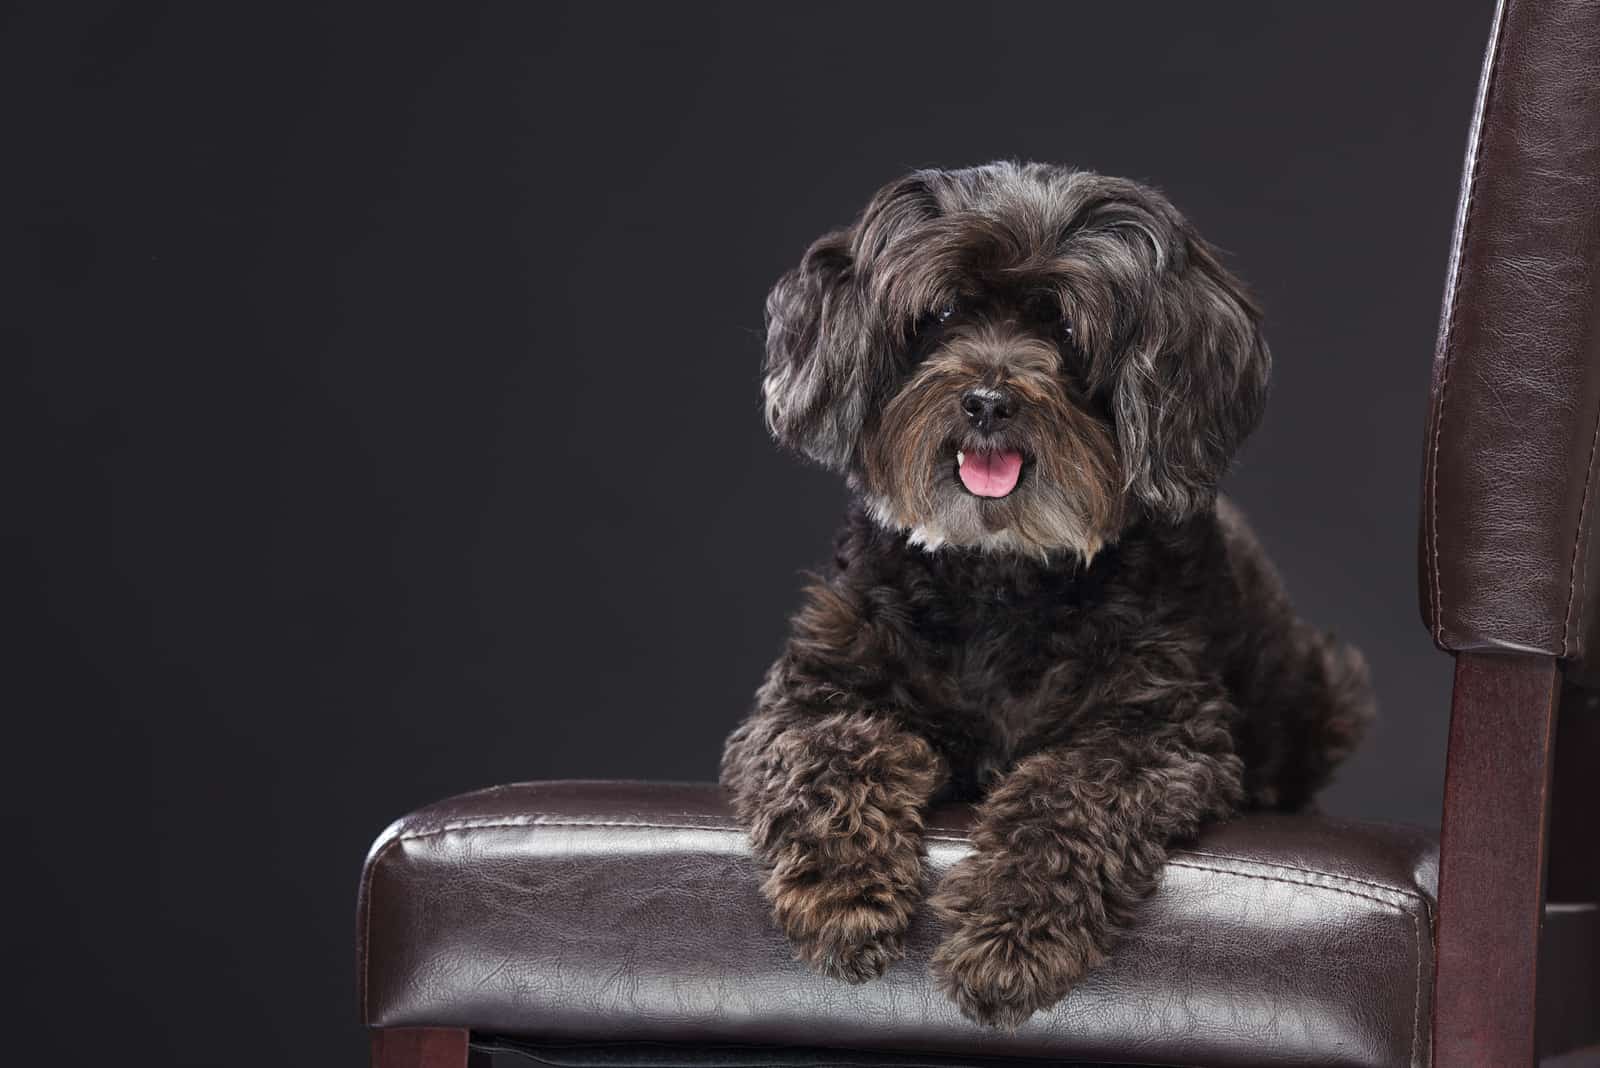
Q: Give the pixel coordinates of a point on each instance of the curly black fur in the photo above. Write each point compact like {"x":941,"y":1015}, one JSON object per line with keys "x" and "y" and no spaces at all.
{"x":1102,"y":657}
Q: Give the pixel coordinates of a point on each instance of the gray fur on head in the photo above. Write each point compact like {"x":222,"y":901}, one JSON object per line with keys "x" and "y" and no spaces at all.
{"x":1165,"y":361}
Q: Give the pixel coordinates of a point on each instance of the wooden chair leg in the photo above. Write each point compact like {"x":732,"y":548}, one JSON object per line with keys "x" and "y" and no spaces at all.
{"x":1492,"y":859}
{"x":424,"y":1047}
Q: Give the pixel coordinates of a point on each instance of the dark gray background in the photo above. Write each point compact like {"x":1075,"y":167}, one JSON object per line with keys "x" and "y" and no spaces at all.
{"x":390,"y":420}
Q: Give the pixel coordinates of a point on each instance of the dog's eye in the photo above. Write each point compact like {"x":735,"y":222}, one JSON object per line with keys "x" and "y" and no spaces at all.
{"x":1042,"y":308}
{"x":947,"y":311}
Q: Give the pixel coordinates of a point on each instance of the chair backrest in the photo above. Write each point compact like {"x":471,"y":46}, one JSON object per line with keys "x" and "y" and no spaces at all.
{"x":1509,"y":486}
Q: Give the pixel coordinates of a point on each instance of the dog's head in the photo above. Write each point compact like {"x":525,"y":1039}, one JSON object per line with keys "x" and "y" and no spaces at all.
{"x":1020,"y":357}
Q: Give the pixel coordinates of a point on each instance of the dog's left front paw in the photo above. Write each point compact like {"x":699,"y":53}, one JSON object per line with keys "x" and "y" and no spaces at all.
{"x":1001,"y":965}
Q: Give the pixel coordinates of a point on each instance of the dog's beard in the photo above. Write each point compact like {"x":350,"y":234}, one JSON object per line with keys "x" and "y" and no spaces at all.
{"x":1047,"y":484}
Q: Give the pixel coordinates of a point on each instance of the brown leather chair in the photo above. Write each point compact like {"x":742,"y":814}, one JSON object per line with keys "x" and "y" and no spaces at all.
{"x":620,"y":924}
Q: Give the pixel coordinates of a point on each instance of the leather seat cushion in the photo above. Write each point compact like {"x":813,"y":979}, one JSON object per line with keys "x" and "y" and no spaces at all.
{"x":630,"y":912}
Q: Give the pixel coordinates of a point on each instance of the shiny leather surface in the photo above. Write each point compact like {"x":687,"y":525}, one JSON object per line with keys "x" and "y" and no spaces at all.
{"x":629,"y":912}
{"x":1508,"y":500}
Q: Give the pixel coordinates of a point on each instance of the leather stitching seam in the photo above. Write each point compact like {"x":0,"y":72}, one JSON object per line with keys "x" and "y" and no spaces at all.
{"x":1296,"y":882}
{"x":1400,"y":890}
{"x":1447,"y":340}
{"x":713,"y":823}
{"x":491,"y":823}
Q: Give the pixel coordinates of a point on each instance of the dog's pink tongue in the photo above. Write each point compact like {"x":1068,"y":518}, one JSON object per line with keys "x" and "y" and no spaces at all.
{"x":992,"y":473}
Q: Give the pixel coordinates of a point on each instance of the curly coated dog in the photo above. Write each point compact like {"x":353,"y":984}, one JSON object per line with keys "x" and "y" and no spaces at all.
{"x":1032,"y":378}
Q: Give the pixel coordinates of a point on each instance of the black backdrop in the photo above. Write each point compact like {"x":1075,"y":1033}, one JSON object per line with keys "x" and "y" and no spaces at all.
{"x":390,"y":420}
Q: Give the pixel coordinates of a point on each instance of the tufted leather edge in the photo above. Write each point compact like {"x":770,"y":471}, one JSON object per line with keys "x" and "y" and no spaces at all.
{"x":629,"y":912}
{"x":1508,"y":494}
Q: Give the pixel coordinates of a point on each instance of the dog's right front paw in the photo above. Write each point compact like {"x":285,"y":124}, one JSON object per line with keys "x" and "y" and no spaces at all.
{"x":834,"y":811}
{"x":849,"y":929}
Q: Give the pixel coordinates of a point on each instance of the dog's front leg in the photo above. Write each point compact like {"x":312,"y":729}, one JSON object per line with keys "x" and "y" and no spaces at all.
{"x":834,"y":807}
{"x":1066,"y":846}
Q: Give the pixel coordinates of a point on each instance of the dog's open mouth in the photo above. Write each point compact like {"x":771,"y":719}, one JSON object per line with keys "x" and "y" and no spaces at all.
{"x":989,"y":472}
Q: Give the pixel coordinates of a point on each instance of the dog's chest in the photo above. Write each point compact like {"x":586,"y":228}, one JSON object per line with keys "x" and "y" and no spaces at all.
{"x":1012,"y":671}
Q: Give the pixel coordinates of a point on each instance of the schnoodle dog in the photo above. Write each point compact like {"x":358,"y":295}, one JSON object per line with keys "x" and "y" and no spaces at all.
{"x":1032,"y":378}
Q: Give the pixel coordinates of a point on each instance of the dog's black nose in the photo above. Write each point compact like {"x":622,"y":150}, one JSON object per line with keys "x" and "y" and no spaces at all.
{"x":987,"y":408}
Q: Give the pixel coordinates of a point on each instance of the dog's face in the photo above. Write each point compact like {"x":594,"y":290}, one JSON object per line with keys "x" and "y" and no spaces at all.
{"x":1016,"y":357}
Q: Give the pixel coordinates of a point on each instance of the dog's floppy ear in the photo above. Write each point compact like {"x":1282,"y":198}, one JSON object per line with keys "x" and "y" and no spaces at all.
{"x":818,"y":341}
{"x":1194,"y":384}
{"x":829,"y":351}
